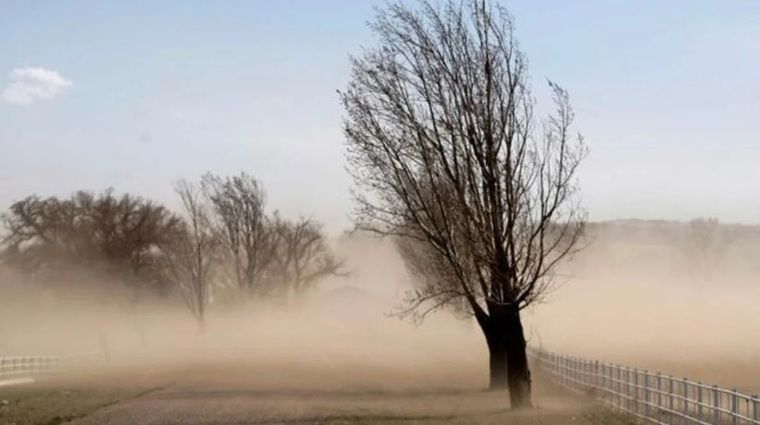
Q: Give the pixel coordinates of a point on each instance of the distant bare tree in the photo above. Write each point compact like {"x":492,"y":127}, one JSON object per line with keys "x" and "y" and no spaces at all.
{"x":443,"y":145}
{"x":248,"y":236}
{"x":303,"y":256}
{"x":705,"y":243}
{"x":191,"y":255}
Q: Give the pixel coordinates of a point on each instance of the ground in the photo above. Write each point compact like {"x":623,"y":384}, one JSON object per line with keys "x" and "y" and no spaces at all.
{"x":225,"y":396}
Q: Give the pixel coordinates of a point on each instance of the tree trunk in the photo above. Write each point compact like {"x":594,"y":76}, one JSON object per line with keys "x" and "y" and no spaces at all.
{"x":508,"y":359}
{"x":518,"y":375}
{"x":497,"y":358}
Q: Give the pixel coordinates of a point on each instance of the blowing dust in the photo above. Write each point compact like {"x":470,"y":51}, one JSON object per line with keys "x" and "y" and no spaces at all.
{"x":663,"y":296}
{"x":634,"y":297}
{"x":340,"y":335}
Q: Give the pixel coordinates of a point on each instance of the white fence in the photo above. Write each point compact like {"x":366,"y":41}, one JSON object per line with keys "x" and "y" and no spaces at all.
{"x":17,"y":369}
{"x":655,"y":397}
{"x":27,"y":367}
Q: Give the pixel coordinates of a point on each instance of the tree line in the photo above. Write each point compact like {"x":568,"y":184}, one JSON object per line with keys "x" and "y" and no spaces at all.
{"x":222,"y":237}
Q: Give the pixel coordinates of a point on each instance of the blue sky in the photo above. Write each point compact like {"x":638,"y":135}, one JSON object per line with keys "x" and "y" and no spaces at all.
{"x":667,"y":94}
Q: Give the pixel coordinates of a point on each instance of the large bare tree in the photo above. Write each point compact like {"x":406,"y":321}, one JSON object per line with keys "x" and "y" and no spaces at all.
{"x":447,"y":156}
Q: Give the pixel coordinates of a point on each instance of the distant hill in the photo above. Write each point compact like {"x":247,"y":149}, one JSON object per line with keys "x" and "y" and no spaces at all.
{"x":669,"y":231}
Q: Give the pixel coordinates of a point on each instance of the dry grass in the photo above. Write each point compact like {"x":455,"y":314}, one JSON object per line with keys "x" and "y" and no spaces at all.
{"x":225,"y":395}
{"x":58,"y":400}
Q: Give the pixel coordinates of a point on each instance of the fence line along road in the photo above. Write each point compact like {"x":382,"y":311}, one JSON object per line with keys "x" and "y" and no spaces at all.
{"x":25,"y":368}
{"x":655,"y":397}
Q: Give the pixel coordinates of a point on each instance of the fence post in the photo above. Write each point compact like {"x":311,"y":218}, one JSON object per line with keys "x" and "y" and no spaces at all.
{"x":624,"y":383}
{"x":552,"y":365}
{"x":575,"y":373}
{"x":608,"y":383}
{"x":699,"y":401}
{"x":596,"y":374}
{"x":670,"y":399}
{"x":615,"y":384}
{"x":647,"y":409}
{"x":586,"y":374}
{"x":635,"y":398}
{"x":755,"y":408}
{"x":686,"y":396}
{"x":619,"y":386}
{"x":734,"y":406}
{"x":627,"y":384}
{"x":716,"y":405}
{"x":659,"y":395}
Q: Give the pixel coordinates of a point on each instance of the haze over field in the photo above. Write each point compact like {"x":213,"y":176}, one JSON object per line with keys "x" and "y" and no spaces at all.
{"x":373,"y":212}
{"x":635,"y":297}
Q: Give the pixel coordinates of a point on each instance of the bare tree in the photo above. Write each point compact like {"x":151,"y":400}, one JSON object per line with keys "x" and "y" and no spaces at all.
{"x":191,"y":255}
{"x":303,"y":256}
{"x":245,"y":230}
{"x":705,"y":243}
{"x":447,"y":156}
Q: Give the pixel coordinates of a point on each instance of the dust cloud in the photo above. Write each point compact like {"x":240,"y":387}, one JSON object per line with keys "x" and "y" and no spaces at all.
{"x":640,"y":295}
{"x":339,"y":336}
{"x":661,"y":296}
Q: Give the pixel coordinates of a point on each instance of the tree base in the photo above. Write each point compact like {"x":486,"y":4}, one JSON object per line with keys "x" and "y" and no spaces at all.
{"x":508,"y":361}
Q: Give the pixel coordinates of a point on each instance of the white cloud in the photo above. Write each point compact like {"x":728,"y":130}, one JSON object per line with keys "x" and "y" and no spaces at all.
{"x":29,"y":85}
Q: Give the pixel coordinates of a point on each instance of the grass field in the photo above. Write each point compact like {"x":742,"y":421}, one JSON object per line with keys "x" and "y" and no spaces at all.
{"x":222,"y":396}
{"x":57,"y":400}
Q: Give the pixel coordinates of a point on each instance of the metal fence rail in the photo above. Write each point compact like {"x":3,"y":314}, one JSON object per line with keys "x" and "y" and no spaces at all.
{"x":653,"y":396}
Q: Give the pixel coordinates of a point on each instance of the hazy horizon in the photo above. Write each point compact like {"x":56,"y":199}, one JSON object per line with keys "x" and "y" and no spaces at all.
{"x":379,"y":212}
